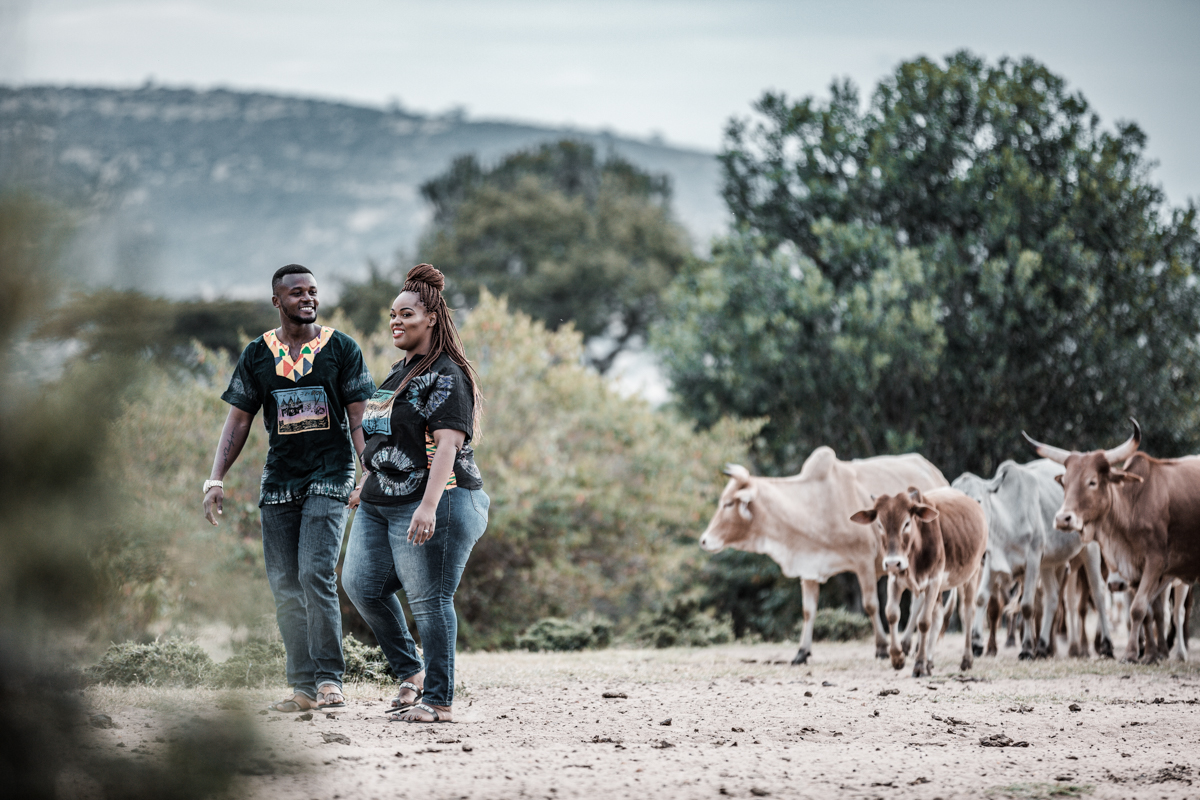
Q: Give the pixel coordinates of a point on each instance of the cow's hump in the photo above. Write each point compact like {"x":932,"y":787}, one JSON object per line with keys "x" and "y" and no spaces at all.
{"x":817,"y":465}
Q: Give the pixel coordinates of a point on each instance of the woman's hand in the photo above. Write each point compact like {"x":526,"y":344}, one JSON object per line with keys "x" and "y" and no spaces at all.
{"x":421,"y":528}
{"x":354,"y":500}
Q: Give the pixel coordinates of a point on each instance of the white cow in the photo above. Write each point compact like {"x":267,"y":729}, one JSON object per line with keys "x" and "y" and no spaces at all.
{"x":1020,"y":503}
{"x":803,"y":523}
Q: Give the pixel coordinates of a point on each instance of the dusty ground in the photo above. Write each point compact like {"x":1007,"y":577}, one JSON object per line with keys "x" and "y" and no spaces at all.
{"x":741,"y":724}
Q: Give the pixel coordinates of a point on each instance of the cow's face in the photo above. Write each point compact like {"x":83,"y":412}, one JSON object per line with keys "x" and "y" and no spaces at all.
{"x":731,"y":525}
{"x":896,"y":520}
{"x":1087,"y":495}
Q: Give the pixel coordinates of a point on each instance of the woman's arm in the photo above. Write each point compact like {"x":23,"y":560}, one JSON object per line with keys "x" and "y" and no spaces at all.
{"x":448,"y":442}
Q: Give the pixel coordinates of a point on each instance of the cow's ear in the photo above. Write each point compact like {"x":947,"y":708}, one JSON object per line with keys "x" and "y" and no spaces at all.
{"x":1059,"y":479}
{"x":865,"y":517}
{"x":744,"y":498}
{"x":925,"y":513}
{"x":1121,"y":476}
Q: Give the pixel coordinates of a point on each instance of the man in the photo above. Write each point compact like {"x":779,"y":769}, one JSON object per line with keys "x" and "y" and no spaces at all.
{"x":312,"y":386}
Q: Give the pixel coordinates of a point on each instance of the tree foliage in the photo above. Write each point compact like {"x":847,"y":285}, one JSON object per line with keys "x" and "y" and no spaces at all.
{"x":969,"y":254}
{"x":564,"y":235}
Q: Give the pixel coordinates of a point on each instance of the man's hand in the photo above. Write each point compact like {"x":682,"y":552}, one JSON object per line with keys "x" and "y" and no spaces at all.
{"x":354,"y":498}
{"x":213,"y":498}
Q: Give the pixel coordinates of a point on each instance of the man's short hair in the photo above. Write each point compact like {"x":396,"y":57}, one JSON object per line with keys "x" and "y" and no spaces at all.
{"x":290,"y":269}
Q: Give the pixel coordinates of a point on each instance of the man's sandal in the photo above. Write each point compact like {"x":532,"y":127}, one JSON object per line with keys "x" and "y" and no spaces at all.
{"x":398,"y":716}
{"x":290,"y":706}
{"x":399,"y":705}
{"x":323,"y":704}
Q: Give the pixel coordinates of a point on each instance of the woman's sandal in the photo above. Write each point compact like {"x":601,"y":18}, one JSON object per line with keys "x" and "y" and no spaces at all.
{"x":290,"y":706}
{"x":433,"y":711}
{"x":399,"y":705}
{"x":332,"y":691}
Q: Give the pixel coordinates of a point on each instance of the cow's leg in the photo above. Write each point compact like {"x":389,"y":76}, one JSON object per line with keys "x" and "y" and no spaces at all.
{"x":870,"y":599}
{"x":914,"y":614}
{"x":1011,"y":641}
{"x":1051,"y":581}
{"x":810,"y":590}
{"x":1161,"y":610}
{"x":993,"y":621}
{"x":1178,"y":617}
{"x":931,"y":596}
{"x":969,"y":589}
{"x":1148,"y":590}
{"x":1070,"y":608}
{"x":893,"y":617}
{"x":982,"y":597}
{"x":1094,"y":568}
{"x":1033,"y":571}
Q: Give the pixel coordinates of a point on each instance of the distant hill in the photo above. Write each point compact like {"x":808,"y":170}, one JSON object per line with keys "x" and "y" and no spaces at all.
{"x":207,"y":192}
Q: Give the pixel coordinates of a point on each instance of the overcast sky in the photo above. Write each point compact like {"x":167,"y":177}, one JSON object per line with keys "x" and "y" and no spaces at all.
{"x":644,"y":67}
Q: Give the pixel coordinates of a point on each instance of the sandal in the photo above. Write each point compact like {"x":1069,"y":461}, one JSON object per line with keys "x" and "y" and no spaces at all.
{"x":291,"y":706}
{"x":399,"y":705}
{"x":433,"y":711}
{"x":324,"y":704}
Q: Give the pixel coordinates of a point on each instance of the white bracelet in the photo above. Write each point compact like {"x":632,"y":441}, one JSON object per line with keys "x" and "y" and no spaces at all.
{"x":210,"y":484}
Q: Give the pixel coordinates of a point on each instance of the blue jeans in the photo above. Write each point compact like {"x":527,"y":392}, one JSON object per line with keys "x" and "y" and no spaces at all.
{"x":301,"y":543}
{"x":380,"y":561}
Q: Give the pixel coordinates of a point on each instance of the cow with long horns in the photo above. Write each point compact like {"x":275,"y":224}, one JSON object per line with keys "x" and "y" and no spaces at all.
{"x":1145,"y":514}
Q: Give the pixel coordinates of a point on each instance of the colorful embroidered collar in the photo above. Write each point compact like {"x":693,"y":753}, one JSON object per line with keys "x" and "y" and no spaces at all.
{"x":295,"y":370}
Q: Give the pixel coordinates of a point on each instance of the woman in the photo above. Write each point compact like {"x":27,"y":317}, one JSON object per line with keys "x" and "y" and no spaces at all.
{"x":422,"y":501}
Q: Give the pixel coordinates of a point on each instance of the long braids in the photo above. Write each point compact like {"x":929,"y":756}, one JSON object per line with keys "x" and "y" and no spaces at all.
{"x":427,"y":283}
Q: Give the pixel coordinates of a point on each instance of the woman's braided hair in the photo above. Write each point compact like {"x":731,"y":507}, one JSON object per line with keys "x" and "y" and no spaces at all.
{"x":427,"y":283}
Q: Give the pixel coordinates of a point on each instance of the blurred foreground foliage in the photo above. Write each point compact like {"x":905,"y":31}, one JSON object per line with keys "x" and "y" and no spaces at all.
{"x":61,"y":508}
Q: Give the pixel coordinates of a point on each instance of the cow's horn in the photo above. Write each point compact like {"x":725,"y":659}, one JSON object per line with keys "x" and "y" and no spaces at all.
{"x":736,"y":471}
{"x":1119,"y":454}
{"x":1047,"y":451}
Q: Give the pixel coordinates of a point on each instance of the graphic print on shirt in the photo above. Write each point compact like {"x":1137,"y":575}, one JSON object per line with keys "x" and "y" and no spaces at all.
{"x":427,"y":392}
{"x":302,"y":410}
{"x":377,"y":418}
{"x":394,"y":460}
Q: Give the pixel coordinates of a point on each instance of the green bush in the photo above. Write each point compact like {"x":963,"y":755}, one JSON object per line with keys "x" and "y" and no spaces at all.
{"x":840,"y":625}
{"x":681,"y":624}
{"x":171,"y":662}
{"x":364,"y":662}
{"x":256,"y":665}
{"x":553,"y":633}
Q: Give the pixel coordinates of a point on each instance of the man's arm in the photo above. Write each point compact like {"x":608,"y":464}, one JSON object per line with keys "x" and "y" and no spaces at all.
{"x":233,"y":439}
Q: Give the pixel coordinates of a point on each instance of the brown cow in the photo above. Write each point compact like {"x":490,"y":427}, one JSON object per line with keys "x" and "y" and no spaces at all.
{"x":1145,"y":515}
{"x":931,"y":542}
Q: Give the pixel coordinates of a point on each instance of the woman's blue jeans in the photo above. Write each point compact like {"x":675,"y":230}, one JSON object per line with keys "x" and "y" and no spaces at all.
{"x":380,"y":561}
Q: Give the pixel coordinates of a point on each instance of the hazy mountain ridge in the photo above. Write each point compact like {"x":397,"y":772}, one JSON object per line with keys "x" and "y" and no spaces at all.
{"x":208,"y":191}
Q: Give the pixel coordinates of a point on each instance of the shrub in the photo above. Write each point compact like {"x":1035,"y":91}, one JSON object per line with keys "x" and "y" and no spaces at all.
{"x":681,"y":624}
{"x":171,"y":662}
{"x":364,"y":662}
{"x":552,"y":633}
{"x":840,"y":625}
{"x":257,"y":664}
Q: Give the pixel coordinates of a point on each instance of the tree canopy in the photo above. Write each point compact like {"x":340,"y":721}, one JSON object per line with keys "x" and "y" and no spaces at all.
{"x":968,"y":254}
{"x":564,"y":235}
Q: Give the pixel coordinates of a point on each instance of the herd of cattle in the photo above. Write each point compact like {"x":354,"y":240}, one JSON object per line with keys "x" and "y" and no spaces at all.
{"x":1044,"y":541}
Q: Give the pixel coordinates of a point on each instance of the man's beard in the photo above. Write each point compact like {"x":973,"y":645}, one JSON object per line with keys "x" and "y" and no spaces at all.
{"x":300,"y":320}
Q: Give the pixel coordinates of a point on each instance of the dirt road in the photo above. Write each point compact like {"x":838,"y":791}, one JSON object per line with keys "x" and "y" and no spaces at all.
{"x":741,"y":724}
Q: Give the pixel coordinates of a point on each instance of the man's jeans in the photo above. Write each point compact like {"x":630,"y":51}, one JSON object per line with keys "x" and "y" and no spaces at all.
{"x":301,"y":543}
{"x":380,"y":560}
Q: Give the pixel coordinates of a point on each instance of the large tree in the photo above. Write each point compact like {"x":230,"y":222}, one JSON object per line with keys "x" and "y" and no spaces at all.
{"x":566,"y":236}
{"x":1051,"y":286}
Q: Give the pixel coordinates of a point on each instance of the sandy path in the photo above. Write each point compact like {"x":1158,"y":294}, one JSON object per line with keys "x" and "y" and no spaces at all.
{"x":536,"y":725}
